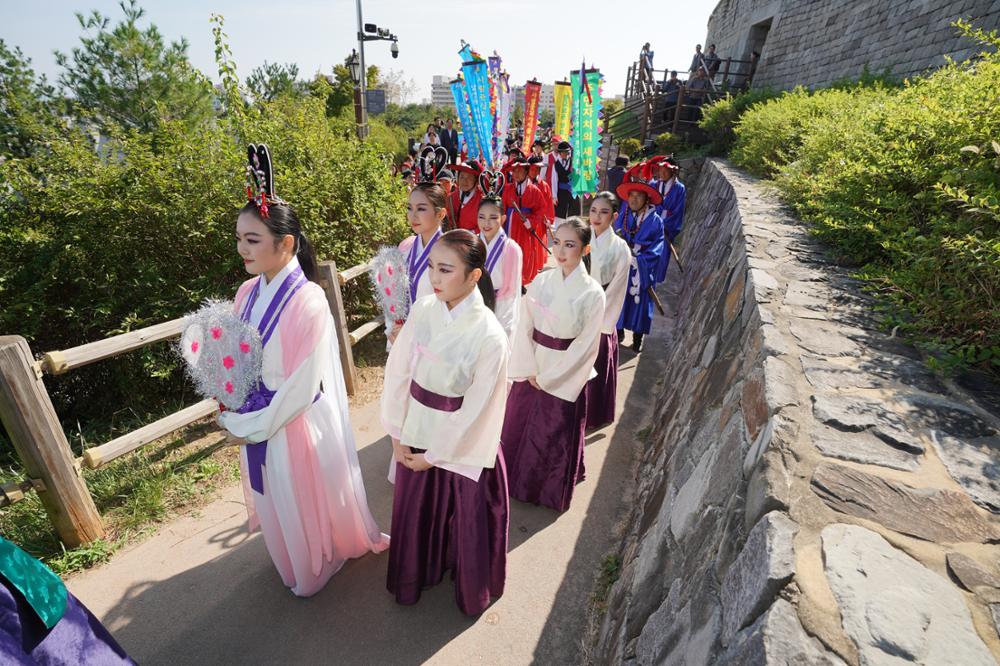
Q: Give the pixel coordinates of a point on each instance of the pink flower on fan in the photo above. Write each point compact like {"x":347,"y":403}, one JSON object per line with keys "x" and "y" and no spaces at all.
{"x":245,"y":347}
{"x":392,"y":309}
{"x":228,"y":362}
{"x":378,"y":278}
{"x":388,"y":269}
{"x":228,"y":387}
{"x":194,"y":347}
{"x":216,"y":333}
{"x":388,"y":292}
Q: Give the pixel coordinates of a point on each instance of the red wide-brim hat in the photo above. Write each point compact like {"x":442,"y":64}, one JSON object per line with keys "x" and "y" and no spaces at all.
{"x":623,"y":190}
{"x":472,"y":166}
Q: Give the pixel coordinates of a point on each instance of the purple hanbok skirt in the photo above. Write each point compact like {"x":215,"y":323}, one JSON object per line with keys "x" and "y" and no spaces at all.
{"x":602,"y":389}
{"x":78,"y":637}
{"x":542,"y":439}
{"x":444,"y":521}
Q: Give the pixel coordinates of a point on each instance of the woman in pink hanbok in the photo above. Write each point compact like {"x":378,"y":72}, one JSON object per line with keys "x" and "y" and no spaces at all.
{"x":300,"y":468}
{"x":503,"y":255}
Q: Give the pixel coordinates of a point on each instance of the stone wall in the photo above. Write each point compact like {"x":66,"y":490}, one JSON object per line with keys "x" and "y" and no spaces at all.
{"x":809,"y":492}
{"x":817,"y":42}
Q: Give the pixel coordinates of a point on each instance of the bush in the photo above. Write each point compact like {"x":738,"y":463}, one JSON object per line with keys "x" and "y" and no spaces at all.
{"x":629,"y":146}
{"x":718,"y":118}
{"x":669,"y":143}
{"x":905,"y":183}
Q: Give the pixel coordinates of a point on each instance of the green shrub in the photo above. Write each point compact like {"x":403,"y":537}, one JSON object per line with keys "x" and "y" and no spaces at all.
{"x":629,"y":146}
{"x":718,"y":118}
{"x":668,"y":143}
{"x":905,"y":183}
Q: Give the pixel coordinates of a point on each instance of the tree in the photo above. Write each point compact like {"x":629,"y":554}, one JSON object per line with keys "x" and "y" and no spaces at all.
{"x":342,"y":94}
{"x":25,"y":103}
{"x":398,"y":90}
{"x":130,"y":76}
{"x":546,"y":118}
{"x":272,"y":80}
{"x":611,"y":106}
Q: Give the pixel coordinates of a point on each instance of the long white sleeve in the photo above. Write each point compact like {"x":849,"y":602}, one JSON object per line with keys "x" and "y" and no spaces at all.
{"x":614,"y":296}
{"x":508,"y":306}
{"x":294,"y":395}
{"x":522,"y":355}
{"x":396,"y":386}
{"x":565,"y":373}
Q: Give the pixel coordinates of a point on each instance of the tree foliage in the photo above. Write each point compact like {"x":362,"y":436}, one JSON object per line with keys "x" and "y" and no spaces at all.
{"x":25,"y":103}
{"x":271,"y":80}
{"x":130,"y":76}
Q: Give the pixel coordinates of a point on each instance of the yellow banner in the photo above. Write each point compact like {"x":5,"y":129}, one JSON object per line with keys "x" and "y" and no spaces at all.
{"x":564,"y":109}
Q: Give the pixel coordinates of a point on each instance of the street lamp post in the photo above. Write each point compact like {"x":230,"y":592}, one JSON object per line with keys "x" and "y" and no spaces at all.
{"x":359,"y":70}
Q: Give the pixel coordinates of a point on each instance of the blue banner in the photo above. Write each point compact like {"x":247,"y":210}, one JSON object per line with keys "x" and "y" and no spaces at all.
{"x":477,"y":87}
{"x":462,"y":109}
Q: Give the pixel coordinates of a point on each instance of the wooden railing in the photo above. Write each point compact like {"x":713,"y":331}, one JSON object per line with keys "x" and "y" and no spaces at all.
{"x":38,"y":438}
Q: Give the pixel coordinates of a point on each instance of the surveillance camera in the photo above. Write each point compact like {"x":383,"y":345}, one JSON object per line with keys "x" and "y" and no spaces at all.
{"x":394,"y":50}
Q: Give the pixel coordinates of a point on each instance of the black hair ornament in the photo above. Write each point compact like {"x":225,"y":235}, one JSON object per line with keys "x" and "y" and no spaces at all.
{"x":260,"y":178}
{"x":491,"y":183}
{"x":430,"y":163}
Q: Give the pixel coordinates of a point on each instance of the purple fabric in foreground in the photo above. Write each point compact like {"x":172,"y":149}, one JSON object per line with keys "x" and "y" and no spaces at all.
{"x":444,"y":521}
{"x":78,"y":638}
{"x":542,"y":441}
{"x":559,"y":344}
{"x":442,"y":403}
{"x":602,"y":389}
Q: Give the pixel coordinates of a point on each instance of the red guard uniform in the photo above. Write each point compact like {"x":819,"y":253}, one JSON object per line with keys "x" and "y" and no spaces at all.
{"x":529,"y":199}
{"x":466,"y":208}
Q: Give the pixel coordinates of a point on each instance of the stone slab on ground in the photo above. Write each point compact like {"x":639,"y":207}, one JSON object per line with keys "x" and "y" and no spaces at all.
{"x":777,"y":637}
{"x":894,"y":609}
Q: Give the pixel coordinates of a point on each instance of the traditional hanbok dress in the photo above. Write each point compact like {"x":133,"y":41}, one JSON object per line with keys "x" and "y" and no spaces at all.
{"x":41,"y":622}
{"x":301,"y":476}
{"x":609,"y":266}
{"x":503,"y":261}
{"x":417,"y":257}
{"x":557,"y":341}
{"x":644,"y":236}
{"x":671,"y":212}
{"x":445,"y":388}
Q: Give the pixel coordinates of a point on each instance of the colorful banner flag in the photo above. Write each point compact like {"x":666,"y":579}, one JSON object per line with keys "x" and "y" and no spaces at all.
{"x":586,"y":136}
{"x":504,"y":103}
{"x":462,"y":110}
{"x":532,"y":93}
{"x":477,"y":87}
{"x":564,"y":110}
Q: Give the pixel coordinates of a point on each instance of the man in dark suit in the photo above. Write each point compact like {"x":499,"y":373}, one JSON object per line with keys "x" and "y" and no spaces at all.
{"x":449,"y":141}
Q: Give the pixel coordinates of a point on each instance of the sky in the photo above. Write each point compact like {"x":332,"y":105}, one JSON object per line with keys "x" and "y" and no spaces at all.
{"x":544,"y":39}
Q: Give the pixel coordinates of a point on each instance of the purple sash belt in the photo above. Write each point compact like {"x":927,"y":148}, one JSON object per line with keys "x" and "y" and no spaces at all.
{"x":442,"y":403}
{"x":257,"y":452}
{"x":559,"y":344}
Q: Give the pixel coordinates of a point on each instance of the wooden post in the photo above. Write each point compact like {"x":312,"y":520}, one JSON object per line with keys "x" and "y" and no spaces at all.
{"x":31,"y":422}
{"x":628,"y":83}
{"x":330,"y":280}
{"x":646,"y":110}
{"x":725,"y":74}
{"x":677,"y":109}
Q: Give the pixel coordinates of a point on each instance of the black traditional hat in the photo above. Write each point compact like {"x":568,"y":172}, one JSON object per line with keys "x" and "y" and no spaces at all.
{"x":564,"y":147}
{"x":535,"y":162}
{"x":260,"y":178}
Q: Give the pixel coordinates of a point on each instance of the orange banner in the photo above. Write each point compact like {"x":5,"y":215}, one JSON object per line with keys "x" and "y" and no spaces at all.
{"x":532,"y":92}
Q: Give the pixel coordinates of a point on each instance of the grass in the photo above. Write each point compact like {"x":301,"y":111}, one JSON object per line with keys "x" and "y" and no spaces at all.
{"x":607,"y":576}
{"x":134,"y":495}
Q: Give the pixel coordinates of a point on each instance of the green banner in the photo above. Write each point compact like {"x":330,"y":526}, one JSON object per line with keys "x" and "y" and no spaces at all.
{"x":586,"y":135}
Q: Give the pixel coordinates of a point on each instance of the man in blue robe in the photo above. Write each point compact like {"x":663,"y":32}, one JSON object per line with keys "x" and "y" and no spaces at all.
{"x":671,"y":209}
{"x":642,"y":229}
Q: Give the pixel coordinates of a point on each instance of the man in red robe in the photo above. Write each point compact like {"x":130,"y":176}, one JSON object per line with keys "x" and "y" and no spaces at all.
{"x":534,"y":169}
{"x":525,"y":209}
{"x":466,"y":196}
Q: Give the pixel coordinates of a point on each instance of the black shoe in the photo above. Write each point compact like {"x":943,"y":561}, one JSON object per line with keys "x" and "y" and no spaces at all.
{"x":621,"y":335}
{"x":636,"y":342}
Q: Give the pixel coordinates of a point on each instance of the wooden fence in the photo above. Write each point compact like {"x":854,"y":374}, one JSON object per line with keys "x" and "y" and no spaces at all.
{"x":31,"y":421}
